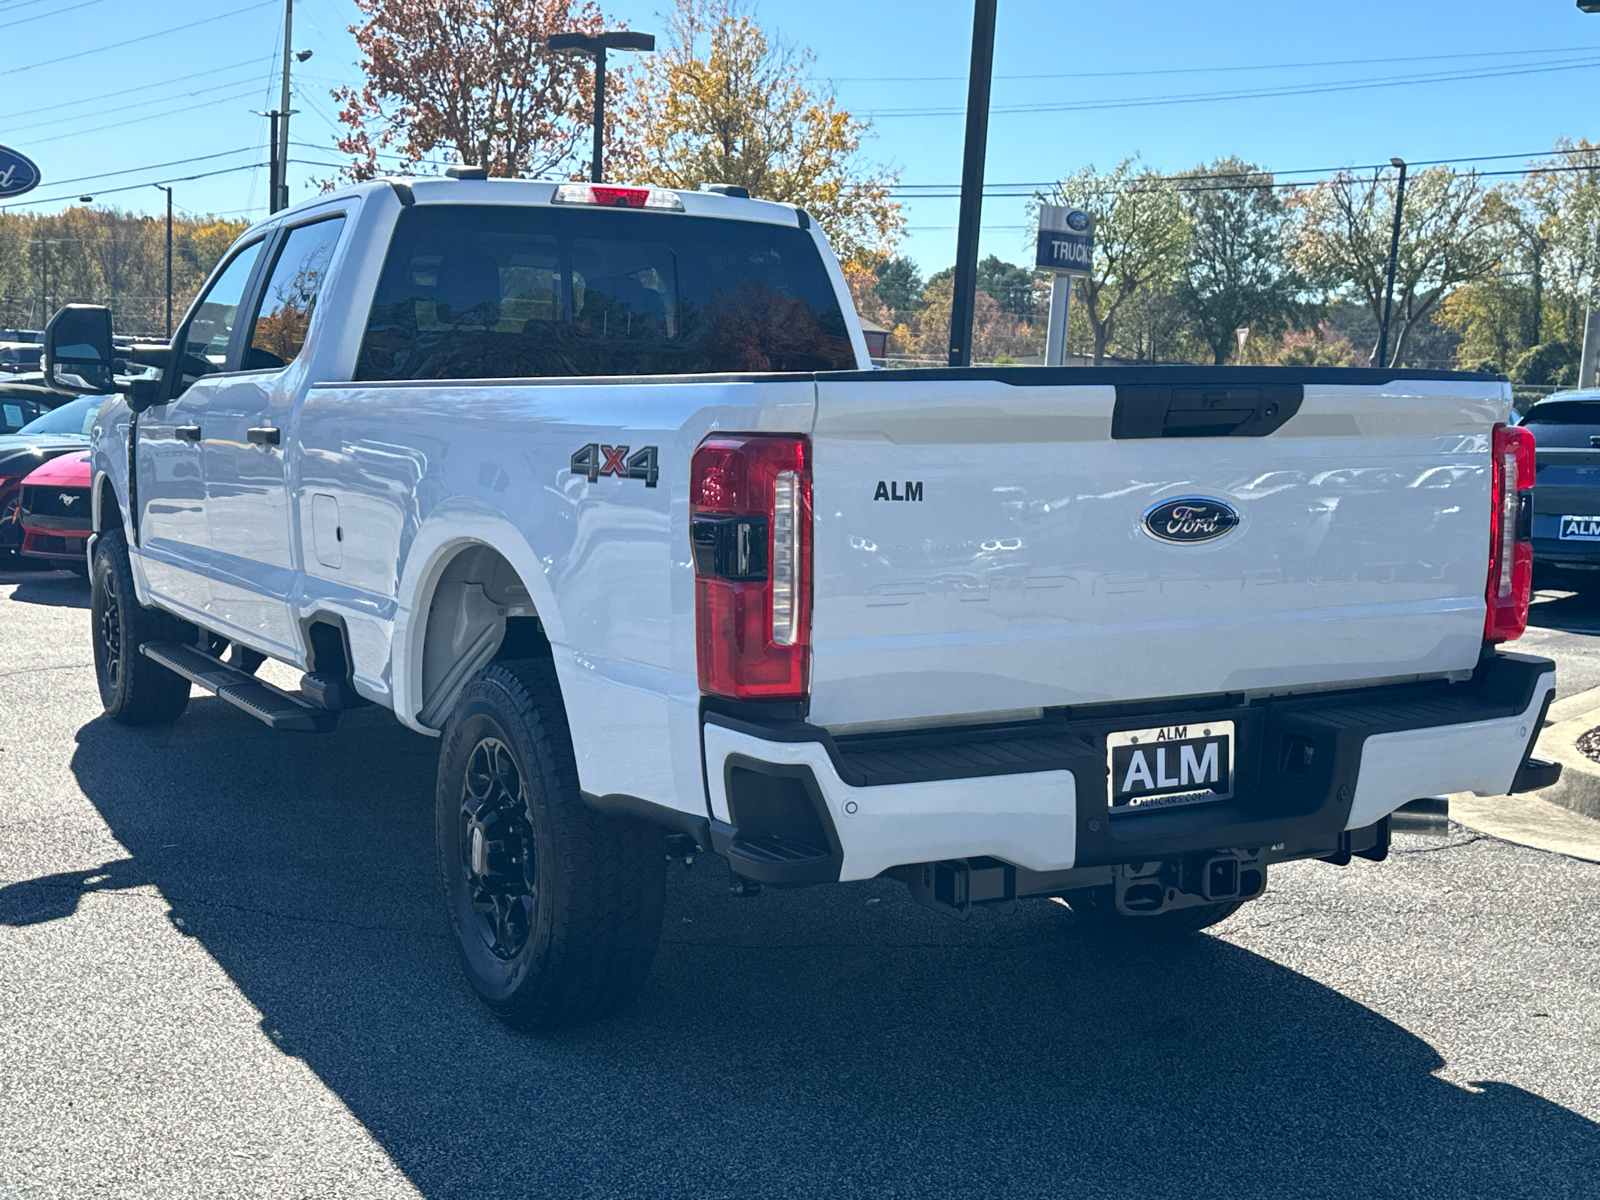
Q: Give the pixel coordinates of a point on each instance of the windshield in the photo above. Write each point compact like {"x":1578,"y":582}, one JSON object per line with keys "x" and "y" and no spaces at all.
{"x":1564,"y":412}
{"x":74,"y":417}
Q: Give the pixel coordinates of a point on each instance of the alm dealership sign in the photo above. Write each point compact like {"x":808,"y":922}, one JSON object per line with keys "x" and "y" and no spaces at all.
{"x":18,"y":174}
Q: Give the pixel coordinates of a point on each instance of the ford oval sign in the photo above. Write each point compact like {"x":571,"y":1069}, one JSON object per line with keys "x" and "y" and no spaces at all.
{"x":1190,"y":519}
{"x":18,"y":173}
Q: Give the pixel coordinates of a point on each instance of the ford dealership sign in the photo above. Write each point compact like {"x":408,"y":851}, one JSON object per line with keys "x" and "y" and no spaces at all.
{"x":18,"y":173}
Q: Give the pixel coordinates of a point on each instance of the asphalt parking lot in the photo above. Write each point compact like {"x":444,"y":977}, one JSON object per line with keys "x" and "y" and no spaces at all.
{"x":224,"y":971}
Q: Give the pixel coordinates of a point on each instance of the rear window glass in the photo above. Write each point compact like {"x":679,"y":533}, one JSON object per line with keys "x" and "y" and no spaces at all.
{"x":480,"y":292}
{"x":1564,"y":412}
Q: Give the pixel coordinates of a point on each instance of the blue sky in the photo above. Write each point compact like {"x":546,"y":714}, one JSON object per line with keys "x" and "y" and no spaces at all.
{"x":80,"y":110}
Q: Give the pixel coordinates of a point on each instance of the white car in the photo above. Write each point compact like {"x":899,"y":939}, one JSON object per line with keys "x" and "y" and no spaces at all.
{"x":596,"y":485}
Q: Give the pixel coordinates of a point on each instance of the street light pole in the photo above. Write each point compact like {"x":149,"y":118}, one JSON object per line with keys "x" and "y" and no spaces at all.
{"x":596,"y":45}
{"x":168,"y":191}
{"x":964,"y":296}
{"x":1394,"y":252}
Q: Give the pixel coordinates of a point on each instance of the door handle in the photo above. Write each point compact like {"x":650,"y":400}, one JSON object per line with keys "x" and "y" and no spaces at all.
{"x":265,"y":436}
{"x":187,"y":433}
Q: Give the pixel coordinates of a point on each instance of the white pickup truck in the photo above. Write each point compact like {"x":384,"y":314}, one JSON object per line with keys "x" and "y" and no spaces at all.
{"x":595,"y":484}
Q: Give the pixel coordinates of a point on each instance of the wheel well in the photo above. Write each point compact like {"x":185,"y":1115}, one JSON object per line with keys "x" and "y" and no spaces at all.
{"x":479,"y":612}
{"x":105,"y":502}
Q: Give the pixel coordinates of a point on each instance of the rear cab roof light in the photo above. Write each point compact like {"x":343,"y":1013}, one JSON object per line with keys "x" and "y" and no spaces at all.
{"x":606,"y":195}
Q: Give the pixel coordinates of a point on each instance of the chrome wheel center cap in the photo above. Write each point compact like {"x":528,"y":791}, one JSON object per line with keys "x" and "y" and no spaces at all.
{"x":480,"y":853}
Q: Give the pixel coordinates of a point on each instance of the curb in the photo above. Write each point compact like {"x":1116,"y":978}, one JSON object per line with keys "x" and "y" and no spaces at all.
{"x":1563,"y":818}
{"x":1579,"y":785}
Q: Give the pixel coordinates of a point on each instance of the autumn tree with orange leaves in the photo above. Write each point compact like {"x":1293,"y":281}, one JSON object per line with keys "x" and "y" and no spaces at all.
{"x":472,"y":77}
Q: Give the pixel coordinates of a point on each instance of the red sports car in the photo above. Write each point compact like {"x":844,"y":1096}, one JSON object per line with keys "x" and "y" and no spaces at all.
{"x":55,"y":514}
{"x":60,"y":431}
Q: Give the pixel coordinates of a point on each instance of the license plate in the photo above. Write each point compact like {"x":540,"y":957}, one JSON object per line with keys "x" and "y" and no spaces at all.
{"x":1580,"y":529}
{"x":1170,"y":766}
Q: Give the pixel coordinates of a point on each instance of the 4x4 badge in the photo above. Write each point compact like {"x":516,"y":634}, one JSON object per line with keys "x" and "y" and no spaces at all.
{"x":595,"y":460}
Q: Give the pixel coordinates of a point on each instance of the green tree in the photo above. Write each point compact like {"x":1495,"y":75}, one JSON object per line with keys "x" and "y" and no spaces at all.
{"x":900,"y":285}
{"x":1559,"y":204}
{"x":722,"y":102}
{"x":1011,"y":286}
{"x":1490,"y":318}
{"x":1449,"y":235}
{"x":1141,"y":237}
{"x":1236,"y":274}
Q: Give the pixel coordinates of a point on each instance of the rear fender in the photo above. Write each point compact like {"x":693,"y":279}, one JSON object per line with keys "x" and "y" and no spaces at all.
{"x":447,"y":532}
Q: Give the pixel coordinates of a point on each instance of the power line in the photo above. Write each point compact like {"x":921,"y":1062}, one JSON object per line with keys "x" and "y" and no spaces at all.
{"x":54,"y":13}
{"x":922,"y":190}
{"x":120,"y":92}
{"x":89,"y":116}
{"x":1247,"y":94}
{"x":177,"y":162}
{"x":255,"y":166}
{"x":1339,"y":62}
{"x":144,"y":37}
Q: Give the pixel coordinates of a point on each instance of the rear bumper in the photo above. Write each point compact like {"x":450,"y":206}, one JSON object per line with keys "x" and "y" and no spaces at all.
{"x":1552,"y":552}
{"x":1034,"y":795}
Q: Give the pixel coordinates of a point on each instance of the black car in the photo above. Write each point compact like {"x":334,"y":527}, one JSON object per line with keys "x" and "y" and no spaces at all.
{"x":1566,"y":490}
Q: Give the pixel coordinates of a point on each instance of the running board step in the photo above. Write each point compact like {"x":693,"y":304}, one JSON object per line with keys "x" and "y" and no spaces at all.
{"x":261,"y":700}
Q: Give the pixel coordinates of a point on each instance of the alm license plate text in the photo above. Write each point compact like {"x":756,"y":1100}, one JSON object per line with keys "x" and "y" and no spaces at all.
{"x":1580,"y":529}
{"x":1170,"y":766}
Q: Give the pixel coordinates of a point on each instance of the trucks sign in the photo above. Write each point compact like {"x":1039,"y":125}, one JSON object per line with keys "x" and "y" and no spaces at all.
{"x":1066,"y":240}
{"x":1065,"y":252}
{"x":18,"y":174}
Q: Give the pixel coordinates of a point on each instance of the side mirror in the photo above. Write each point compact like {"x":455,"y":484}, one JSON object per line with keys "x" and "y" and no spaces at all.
{"x":78,"y":354}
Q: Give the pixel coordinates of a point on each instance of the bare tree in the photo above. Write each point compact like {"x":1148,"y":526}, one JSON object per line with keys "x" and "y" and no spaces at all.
{"x":1450,"y":234}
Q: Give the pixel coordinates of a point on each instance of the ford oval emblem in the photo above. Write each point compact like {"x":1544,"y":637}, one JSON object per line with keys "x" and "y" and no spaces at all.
{"x":1078,"y":221}
{"x":18,"y":174}
{"x":1190,"y":519}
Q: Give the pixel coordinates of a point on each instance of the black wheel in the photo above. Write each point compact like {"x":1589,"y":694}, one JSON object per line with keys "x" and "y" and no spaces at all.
{"x":1097,"y":909}
{"x":134,"y":689}
{"x":556,"y":909}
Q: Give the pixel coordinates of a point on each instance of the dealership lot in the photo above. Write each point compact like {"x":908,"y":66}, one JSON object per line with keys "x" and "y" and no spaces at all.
{"x":224,"y":970}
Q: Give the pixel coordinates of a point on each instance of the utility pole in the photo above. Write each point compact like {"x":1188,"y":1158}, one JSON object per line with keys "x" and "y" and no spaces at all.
{"x":168,"y":191}
{"x":1394,"y":252}
{"x":44,"y":245}
{"x":595,"y":46}
{"x":964,"y":298}
{"x":1591,"y":317}
{"x":280,"y":195}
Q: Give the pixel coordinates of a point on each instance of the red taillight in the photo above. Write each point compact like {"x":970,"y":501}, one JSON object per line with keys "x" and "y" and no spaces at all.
{"x":1510,"y":586}
{"x":750,"y":527}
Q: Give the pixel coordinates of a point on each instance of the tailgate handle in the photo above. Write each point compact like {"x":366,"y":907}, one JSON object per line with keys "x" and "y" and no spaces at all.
{"x":1192,"y":410}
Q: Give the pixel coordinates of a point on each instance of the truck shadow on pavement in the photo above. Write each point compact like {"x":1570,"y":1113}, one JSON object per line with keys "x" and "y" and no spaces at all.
{"x":58,"y":589}
{"x":826,"y":1042}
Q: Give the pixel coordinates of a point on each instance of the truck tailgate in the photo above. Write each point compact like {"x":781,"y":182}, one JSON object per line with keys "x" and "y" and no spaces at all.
{"x":981,"y":546}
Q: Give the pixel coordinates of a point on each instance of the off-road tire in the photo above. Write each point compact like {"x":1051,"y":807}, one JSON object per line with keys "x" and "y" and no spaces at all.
{"x":134,"y":689}
{"x":577,"y":941}
{"x":1097,"y":909}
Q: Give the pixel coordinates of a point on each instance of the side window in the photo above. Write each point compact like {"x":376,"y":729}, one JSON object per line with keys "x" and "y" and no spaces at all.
{"x":284,"y":316}
{"x":204,"y":341}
